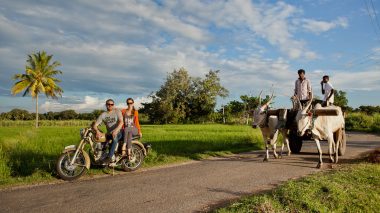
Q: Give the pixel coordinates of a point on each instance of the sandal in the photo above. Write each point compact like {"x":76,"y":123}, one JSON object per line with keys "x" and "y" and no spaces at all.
{"x":124,"y":153}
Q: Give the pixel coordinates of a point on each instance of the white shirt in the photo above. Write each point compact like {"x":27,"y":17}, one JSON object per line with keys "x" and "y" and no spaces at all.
{"x":302,"y":89}
{"x":328,"y":87}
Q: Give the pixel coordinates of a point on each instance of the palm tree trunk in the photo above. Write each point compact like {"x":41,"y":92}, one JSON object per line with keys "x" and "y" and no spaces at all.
{"x":37,"y":111}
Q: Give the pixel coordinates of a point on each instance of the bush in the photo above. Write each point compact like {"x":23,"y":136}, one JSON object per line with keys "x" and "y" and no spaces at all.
{"x":359,"y":121}
{"x":376,"y":123}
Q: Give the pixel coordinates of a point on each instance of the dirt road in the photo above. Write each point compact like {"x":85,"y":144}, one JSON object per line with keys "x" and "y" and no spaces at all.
{"x":192,"y":187}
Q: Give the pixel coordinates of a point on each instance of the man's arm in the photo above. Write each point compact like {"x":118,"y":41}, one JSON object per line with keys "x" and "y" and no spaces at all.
{"x":96,"y":124}
{"x":119,"y":124}
{"x":331,"y":94}
{"x":323,"y":91}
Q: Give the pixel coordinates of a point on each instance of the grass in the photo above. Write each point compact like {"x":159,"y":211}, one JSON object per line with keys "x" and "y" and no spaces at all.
{"x":28,"y":155}
{"x":353,"y":188}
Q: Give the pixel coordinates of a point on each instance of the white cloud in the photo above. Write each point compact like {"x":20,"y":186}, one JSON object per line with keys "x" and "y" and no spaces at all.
{"x":318,"y":27}
{"x":89,"y":103}
{"x":160,"y":17}
{"x":367,"y":80}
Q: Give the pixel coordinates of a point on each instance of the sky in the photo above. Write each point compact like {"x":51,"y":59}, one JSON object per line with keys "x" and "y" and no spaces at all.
{"x":125,"y":48}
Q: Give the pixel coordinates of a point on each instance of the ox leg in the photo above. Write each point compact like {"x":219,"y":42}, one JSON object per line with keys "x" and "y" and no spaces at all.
{"x":274,"y":150}
{"x":336,"y":145}
{"x":330,"y":140}
{"x":264,"y":132}
{"x":266,"y":158}
{"x":282,"y":149}
{"x":285,"y":141}
{"x":287,"y":145}
{"x":320,"y":163}
{"x":273,"y":142}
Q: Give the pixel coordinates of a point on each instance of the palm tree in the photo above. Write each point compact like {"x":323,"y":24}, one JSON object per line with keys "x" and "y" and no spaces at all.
{"x":39,"y":77}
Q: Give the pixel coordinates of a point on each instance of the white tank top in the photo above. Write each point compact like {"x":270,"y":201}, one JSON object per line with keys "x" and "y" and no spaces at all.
{"x":128,"y":120}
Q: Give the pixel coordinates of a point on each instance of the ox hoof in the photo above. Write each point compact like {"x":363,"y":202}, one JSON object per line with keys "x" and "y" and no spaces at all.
{"x":319,"y":166}
{"x":280,"y":156}
{"x":336,"y":159}
{"x":275,"y":156}
{"x":289,"y":154}
{"x":265,"y":160}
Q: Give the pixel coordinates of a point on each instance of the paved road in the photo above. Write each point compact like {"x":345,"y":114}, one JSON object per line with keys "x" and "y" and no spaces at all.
{"x":192,"y":187}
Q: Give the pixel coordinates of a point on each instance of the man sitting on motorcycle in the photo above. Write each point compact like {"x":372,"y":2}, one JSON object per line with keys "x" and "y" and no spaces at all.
{"x":113,"y":120}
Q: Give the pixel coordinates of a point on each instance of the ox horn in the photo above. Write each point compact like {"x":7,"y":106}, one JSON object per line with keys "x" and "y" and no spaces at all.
{"x":260,"y":97}
{"x":269,"y":101}
{"x":309,"y":103}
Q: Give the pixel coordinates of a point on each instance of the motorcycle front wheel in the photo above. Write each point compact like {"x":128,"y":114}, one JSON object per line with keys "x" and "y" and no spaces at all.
{"x":67,"y":171}
{"x":136,"y":161}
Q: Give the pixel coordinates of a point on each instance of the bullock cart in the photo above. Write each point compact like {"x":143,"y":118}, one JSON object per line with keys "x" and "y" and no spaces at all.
{"x":296,"y":141}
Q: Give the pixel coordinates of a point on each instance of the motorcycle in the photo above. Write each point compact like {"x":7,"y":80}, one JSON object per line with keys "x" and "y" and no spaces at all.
{"x":74,"y":160}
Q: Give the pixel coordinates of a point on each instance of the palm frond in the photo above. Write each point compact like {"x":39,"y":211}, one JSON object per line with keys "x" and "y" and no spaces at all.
{"x":18,"y":76}
{"x":27,"y":91}
{"x":20,"y":86}
{"x":33,"y":89}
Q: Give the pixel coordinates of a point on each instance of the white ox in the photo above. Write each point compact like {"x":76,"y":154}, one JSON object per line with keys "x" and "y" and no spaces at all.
{"x":269,"y":128}
{"x":322,"y":127}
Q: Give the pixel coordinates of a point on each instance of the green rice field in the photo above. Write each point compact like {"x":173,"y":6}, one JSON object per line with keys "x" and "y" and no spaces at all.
{"x":28,"y":155}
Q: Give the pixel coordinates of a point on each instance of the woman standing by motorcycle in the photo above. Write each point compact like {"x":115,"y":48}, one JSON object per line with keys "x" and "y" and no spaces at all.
{"x":131,"y":127}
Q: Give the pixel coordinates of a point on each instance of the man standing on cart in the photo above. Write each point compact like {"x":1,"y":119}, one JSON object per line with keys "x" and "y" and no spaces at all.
{"x":302,"y":88}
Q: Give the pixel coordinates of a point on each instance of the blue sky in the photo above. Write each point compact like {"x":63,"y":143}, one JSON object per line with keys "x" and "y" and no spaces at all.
{"x":118,"y":48}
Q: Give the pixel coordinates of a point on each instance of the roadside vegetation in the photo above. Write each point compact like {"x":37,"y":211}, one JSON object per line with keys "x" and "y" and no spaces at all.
{"x":352,"y":188}
{"x":359,"y":121}
{"x":28,"y":155}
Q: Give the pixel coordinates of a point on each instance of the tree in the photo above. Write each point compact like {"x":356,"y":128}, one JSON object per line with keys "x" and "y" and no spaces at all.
{"x":39,"y":78}
{"x":171,"y":101}
{"x":50,"y":115}
{"x":369,"y":110}
{"x":19,"y":114}
{"x":207,"y":90}
{"x":183,"y":98}
{"x":242,"y":108}
{"x":340,"y":99}
{"x":68,"y":114}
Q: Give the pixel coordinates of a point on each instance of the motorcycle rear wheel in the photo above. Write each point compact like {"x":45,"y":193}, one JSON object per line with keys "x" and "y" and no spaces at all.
{"x":67,"y":172}
{"x":136,"y":161}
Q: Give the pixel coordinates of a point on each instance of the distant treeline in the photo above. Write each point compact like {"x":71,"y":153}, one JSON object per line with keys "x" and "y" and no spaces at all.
{"x":369,"y":110}
{"x":230,"y":112}
{"x":20,"y":114}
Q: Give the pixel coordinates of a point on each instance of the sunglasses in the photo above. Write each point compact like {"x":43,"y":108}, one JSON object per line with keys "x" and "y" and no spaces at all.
{"x":109,"y":104}
{"x":129,"y":103}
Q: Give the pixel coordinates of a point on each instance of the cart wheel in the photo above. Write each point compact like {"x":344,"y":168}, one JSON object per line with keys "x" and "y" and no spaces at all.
{"x":295,"y":142}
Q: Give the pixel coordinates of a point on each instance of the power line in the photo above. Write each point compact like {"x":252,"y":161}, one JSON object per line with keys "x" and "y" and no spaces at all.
{"x":369,"y":58}
{"x":375,"y":14}
{"x":372,"y":19}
